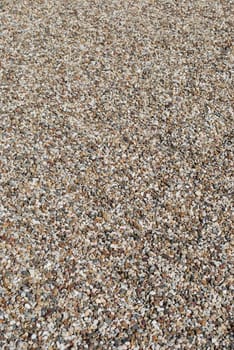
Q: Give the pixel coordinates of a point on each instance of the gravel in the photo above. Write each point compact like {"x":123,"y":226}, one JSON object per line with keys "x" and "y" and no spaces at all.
{"x":116,"y":173}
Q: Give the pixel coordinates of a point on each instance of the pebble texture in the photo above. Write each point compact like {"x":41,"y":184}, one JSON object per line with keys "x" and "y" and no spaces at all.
{"x":116,"y":170}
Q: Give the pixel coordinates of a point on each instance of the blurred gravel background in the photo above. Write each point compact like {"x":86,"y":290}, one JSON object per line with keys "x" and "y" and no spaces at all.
{"x":116,"y":173}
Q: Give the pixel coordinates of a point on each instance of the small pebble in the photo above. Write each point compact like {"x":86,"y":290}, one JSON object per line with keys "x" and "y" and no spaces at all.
{"x":116,"y":181}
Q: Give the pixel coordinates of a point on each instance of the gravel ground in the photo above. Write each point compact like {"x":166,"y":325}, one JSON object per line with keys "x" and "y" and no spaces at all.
{"x":116,"y":169}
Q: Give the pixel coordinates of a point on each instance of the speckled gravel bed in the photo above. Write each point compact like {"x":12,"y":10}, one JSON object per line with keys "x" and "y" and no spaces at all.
{"x":116,"y":174}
